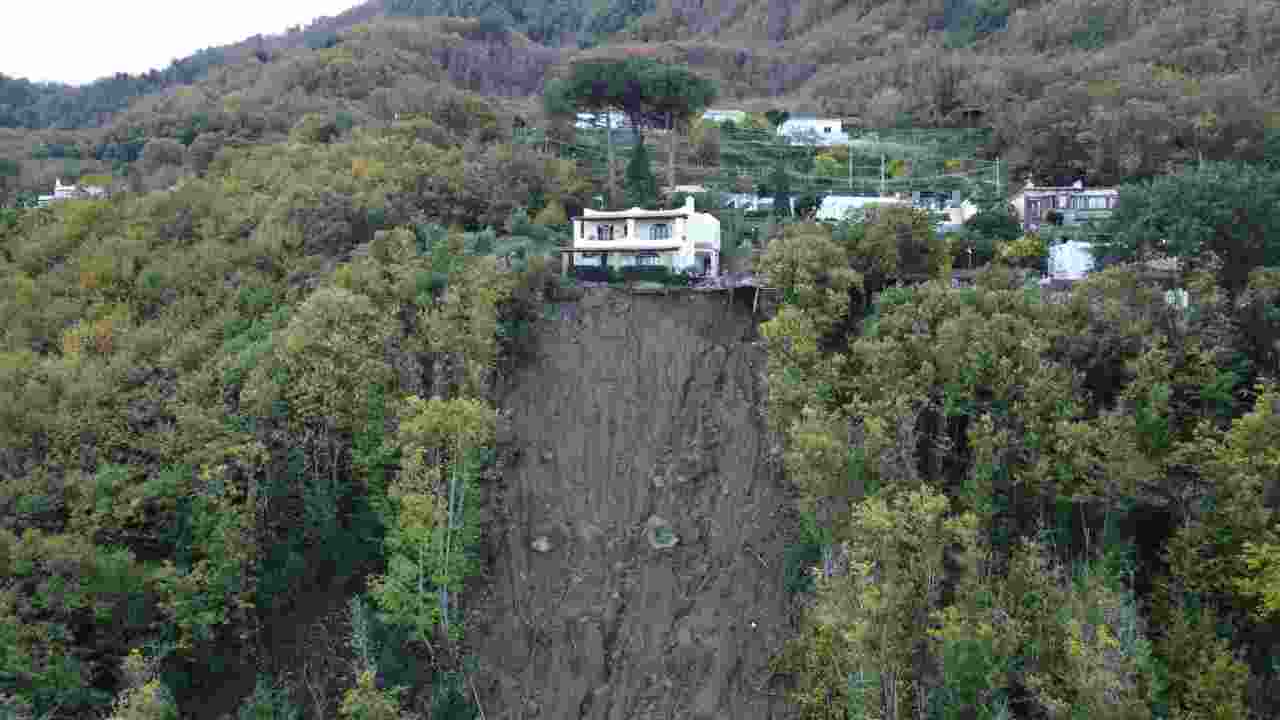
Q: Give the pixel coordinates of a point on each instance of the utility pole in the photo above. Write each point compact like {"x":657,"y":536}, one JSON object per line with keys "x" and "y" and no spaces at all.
{"x":849,"y":147}
{"x":882,"y":190}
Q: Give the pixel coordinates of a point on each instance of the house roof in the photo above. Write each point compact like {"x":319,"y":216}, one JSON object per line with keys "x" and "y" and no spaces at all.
{"x":1101,"y":191}
{"x":634,"y":213}
{"x":630,"y":216}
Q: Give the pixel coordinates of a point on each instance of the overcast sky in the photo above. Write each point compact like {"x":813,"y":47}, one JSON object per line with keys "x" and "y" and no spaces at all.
{"x":79,"y":41}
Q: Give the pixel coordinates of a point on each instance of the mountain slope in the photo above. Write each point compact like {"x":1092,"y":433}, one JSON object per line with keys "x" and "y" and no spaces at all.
{"x":451,"y":75}
{"x":1072,"y":87}
{"x":24,"y":104}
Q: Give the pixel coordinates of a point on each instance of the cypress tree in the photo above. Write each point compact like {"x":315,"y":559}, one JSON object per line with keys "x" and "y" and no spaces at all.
{"x":642,"y":186}
{"x":780,"y":185}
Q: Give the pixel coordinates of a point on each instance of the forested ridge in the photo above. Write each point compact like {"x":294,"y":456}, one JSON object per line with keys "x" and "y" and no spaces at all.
{"x":24,"y":104}
{"x":1107,"y":91}
{"x":248,"y":425}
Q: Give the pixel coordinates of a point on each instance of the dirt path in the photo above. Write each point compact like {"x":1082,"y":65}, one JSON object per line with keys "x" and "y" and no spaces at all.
{"x":638,"y":407}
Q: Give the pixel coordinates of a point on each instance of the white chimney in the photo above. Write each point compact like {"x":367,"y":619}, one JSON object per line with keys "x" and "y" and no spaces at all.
{"x":688,"y":203}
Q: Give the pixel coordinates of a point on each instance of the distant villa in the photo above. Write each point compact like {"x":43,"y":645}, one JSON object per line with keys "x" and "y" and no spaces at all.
{"x":69,"y":192}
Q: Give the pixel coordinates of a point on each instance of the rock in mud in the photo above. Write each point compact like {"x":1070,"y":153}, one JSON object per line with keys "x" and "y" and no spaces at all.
{"x":660,"y":534}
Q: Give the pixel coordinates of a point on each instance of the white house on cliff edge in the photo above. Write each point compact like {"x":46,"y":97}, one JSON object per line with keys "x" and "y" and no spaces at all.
{"x":680,"y":239}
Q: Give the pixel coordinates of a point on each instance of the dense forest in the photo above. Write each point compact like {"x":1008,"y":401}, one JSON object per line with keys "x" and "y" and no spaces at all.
{"x":206,"y":395}
{"x":253,"y":389}
{"x":1037,"y":503}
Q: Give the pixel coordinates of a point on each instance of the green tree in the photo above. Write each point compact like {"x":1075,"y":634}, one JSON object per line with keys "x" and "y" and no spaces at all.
{"x":145,"y":697}
{"x":269,"y":701}
{"x":366,"y":701}
{"x":898,"y":549}
{"x":1224,"y":216}
{"x":644,"y":89}
{"x":324,"y":361}
{"x":894,"y":243}
{"x":434,"y":525}
{"x":642,"y":186}
{"x":679,"y":95}
{"x":1028,"y":251}
{"x":780,"y":188}
{"x":812,"y":272}
{"x":10,"y":173}
{"x":994,"y":223}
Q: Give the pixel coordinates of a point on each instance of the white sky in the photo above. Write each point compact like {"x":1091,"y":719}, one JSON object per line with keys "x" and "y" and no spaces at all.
{"x":79,"y":41}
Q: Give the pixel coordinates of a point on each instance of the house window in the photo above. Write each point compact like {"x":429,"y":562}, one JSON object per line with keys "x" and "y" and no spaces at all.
{"x":604,"y":232}
{"x":1098,"y":202}
{"x":589,"y":260}
{"x":661,"y":231}
{"x":649,"y":259}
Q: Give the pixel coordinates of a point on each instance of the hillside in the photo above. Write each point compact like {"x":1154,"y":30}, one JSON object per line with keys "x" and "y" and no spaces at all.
{"x":1105,"y":90}
{"x":24,"y":104}
{"x":1112,"y":92}
{"x":450,"y":74}
{"x":303,"y":421}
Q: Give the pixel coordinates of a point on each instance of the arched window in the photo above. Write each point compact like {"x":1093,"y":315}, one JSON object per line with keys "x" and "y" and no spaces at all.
{"x":661,"y":231}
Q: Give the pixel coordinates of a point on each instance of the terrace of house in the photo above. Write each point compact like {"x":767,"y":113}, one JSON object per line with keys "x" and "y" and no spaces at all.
{"x":650,"y":232}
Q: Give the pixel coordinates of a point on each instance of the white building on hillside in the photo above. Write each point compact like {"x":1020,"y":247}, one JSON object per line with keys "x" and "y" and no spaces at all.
{"x":613,"y":119}
{"x":842,"y":207}
{"x":720,"y":116}
{"x":681,"y":239}
{"x":70,"y":192}
{"x":1071,"y":260}
{"x":813,"y":130}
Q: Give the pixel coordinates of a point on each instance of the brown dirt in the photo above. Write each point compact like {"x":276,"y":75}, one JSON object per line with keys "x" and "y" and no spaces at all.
{"x":636,"y":407}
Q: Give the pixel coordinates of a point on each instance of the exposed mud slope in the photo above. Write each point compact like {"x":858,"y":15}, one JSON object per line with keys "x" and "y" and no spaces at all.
{"x":637,"y":407}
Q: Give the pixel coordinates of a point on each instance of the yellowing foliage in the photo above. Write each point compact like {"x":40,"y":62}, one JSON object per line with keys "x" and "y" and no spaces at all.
{"x":365,"y":701}
{"x":325,"y":359}
{"x":1263,"y":581}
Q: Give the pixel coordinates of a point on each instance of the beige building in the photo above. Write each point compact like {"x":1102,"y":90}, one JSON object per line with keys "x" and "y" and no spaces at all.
{"x":681,"y":239}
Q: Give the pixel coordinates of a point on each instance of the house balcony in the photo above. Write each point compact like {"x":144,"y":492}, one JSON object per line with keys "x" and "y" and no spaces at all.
{"x":623,"y":244}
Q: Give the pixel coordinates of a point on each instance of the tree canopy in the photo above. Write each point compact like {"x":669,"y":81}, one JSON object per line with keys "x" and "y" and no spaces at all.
{"x":1224,"y":216}
{"x":647,"y":91}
